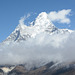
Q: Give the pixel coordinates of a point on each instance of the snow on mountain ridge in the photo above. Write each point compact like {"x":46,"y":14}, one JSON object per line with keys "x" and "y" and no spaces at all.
{"x":41,"y":24}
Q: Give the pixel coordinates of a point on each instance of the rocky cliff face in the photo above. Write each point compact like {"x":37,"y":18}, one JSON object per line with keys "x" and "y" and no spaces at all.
{"x":1,"y":72}
{"x":44,"y":70}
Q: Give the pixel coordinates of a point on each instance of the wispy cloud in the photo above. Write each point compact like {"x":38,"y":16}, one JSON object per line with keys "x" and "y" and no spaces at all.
{"x":60,"y":16}
{"x":21,"y":21}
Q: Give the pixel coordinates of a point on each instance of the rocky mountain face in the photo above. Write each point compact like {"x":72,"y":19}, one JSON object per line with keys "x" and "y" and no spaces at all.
{"x":47,"y":69}
{"x":1,"y":72}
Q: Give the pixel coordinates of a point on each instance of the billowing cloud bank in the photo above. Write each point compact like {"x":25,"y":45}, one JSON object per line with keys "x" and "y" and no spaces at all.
{"x":42,"y":49}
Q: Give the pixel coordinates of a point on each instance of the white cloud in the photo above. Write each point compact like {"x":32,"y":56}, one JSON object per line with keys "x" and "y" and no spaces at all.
{"x":21,"y":21}
{"x":36,"y":51}
{"x":60,"y":16}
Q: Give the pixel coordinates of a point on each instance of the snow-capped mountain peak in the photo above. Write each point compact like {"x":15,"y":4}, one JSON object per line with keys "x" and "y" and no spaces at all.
{"x":42,"y":20}
{"x":41,"y":24}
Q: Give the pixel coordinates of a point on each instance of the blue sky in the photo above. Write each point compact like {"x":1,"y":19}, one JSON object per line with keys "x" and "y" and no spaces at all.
{"x":12,"y":10}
